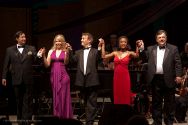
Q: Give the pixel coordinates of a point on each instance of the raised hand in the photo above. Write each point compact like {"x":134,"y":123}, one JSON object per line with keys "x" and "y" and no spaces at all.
{"x":68,"y":46}
{"x":41,"y":52}
{"x":101,"y":42}
{"x":140,"y":44}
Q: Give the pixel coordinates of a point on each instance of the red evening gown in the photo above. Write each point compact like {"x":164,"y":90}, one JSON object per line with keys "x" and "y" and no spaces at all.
{"x":121,"y":85}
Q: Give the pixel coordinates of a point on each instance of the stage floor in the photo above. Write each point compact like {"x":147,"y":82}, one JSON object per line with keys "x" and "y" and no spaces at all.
{"x":13,"y":119}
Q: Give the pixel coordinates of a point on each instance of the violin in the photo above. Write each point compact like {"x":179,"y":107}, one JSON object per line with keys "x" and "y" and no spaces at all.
{"x":183,"y":89}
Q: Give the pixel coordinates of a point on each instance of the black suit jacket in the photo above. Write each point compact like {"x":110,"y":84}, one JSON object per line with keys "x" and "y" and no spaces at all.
{"x":171,"y":64}
{"x":20,"y":66}
{"x":91,"y":78}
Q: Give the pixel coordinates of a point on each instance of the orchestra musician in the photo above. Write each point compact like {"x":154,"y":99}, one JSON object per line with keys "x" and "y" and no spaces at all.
{"x":182,"y":100}
{"x":182,"y":95}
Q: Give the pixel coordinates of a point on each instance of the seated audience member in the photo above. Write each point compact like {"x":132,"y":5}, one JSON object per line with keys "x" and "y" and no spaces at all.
{"x":117,"y":114}
{"x":58,"y":121}
{"x":137,"y":120}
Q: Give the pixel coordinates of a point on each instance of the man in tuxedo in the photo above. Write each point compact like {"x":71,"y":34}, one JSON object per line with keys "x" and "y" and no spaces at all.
{"x":87,"y":79}
{"x":18,"y":61}
{"x":163,"y":73}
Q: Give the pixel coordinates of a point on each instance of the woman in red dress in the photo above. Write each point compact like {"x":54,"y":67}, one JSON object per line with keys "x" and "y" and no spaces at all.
{"x":121,"y":84}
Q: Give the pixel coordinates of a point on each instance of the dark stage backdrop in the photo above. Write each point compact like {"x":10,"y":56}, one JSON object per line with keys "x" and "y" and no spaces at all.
{"x":139,"y":19}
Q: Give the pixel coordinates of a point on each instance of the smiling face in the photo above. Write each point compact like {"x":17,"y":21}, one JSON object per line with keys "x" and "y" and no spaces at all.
{"x":21,"y":39}
{"x":59,"y":42}
{"x":161,"y":38}
{"x":86,"y":39}
{"x":123,"y":41}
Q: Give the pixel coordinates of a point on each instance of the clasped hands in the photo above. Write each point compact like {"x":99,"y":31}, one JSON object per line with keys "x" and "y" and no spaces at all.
{"x":101,"y":42}
{"x":42,"y":50}
{"x":139,"y":43}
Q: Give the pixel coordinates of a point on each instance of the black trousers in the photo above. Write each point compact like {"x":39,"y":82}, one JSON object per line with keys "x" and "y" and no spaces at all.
{"x":89,"y":94}
{"x":24,"y":102}
{"x":161,"y":94}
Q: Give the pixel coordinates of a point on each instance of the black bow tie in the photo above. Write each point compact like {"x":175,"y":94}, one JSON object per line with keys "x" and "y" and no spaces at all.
{"x":86,"y":48}
{"x":162,"y":47}
{"x":21,"y":46}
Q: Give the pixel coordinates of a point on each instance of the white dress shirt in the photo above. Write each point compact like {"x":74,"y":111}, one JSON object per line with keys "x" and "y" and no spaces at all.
{"x":20,"y":49}
{"x":86,"y":52}
{"x":160,"y":56}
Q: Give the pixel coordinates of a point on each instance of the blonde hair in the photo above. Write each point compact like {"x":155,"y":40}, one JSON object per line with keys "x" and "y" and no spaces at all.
{"x":62,"y":39}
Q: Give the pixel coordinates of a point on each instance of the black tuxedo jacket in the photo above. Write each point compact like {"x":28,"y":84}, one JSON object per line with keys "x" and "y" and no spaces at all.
{"x":171,"y":64}
{"x":20,"y":65}
{"x":91,"y":78}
